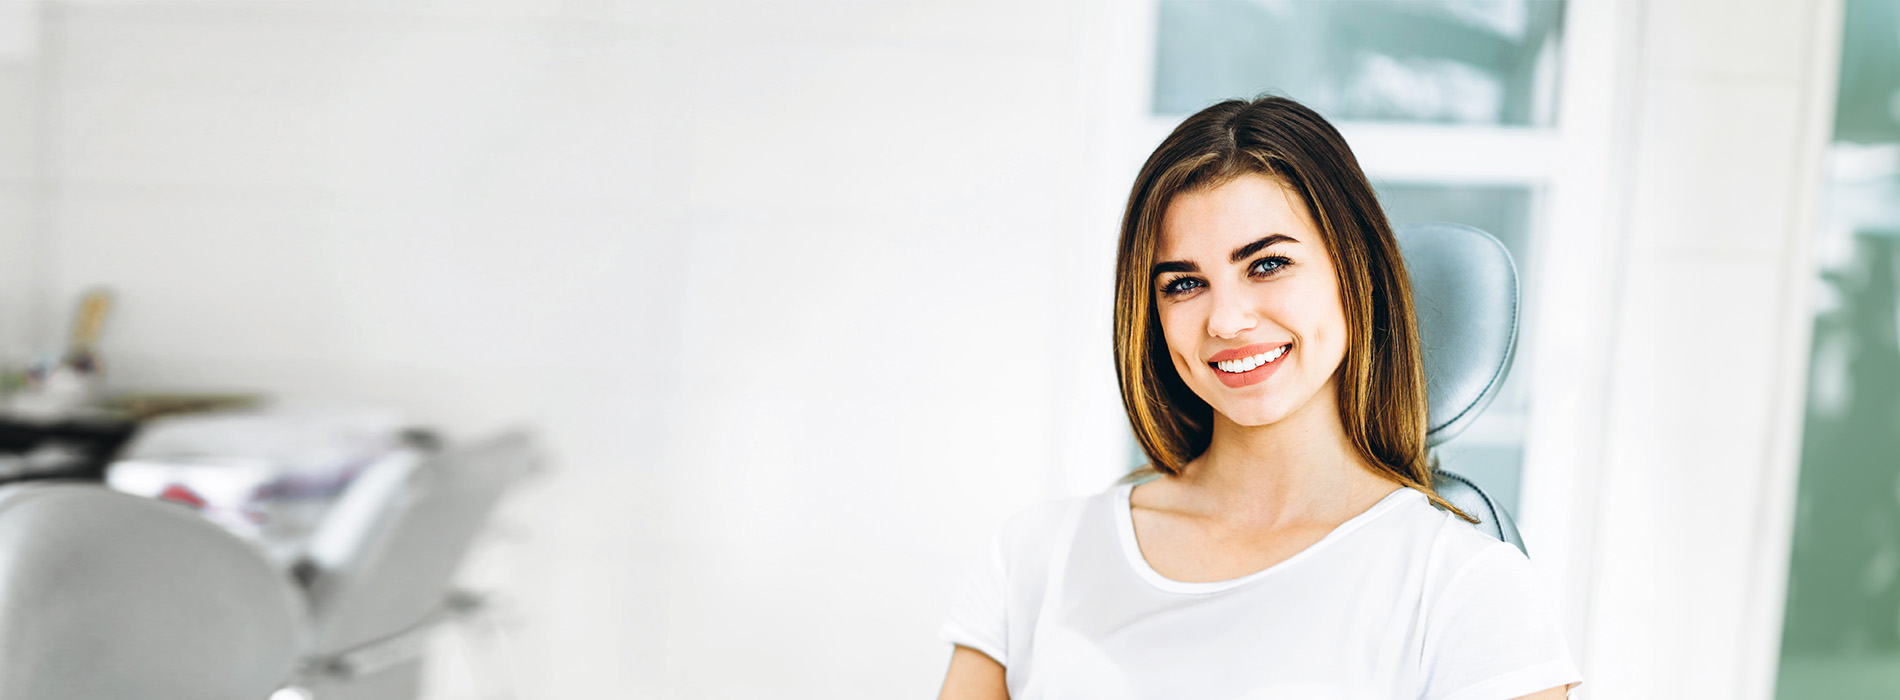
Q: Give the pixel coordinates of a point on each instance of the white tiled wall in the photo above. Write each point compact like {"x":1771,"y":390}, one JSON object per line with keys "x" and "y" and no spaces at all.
{"x":19,"y":187}
{"x":19,"y":30}
{"x":792,"y":289}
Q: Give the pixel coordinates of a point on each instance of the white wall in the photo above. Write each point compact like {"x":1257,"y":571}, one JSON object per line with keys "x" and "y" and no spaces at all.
{"x":806,"y":297}
{"x":1728,"y":111}
{"x":19,"y":181}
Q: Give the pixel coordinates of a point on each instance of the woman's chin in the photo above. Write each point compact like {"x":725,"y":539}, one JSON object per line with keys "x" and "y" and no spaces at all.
{"x":1252,"y":416}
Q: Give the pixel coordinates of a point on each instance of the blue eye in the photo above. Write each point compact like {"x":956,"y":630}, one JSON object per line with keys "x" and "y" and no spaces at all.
{"x":1179,"y":285}
{"x":1269,"y":265}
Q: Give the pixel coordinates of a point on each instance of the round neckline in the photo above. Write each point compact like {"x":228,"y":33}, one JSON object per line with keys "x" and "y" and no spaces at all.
{"x":1131,"y":549}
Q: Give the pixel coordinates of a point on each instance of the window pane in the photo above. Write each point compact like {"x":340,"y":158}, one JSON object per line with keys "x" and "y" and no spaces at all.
{"x":1441,"y":61}
{"x":1841,"y":634}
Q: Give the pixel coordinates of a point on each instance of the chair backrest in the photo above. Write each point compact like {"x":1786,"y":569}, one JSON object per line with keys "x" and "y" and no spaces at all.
{"x":105,"y":596}
{"x":393,"y":563}
{"x":1465,"y":295}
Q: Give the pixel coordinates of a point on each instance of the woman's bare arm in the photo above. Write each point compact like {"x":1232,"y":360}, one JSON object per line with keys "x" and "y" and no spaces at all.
{"x":974,"y":676}
{"x":1557,"y":693}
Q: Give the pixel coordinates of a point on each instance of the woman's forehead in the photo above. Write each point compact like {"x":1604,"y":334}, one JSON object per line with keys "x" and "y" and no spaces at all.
{"x":1214,"y":220}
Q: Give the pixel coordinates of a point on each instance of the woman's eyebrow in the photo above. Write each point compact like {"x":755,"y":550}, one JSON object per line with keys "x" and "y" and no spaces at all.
{"x":1173,"y":266}
{"x":1242,"y":252}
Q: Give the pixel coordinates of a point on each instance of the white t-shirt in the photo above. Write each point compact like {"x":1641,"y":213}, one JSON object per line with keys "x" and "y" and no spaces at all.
{"x":1401,"y":601}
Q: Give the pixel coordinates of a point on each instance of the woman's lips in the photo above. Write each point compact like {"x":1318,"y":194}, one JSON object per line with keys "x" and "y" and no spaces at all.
{"x":1252,"y":376}
{"x":1244,"y":351}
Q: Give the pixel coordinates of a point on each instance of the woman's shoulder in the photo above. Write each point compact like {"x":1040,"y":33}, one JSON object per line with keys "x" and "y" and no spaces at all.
{"x":1036,"y":532}
{"x":1489,"y":619}
{"x":1044,"y":518}
{"x":1448,"y":542}
{"x":1454,"y":554}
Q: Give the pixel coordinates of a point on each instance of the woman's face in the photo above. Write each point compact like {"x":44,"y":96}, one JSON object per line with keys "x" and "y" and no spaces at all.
{"x":1248,"y":301}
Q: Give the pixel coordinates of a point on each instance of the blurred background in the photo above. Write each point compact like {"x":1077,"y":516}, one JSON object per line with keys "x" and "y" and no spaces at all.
{"x":804,"y":299}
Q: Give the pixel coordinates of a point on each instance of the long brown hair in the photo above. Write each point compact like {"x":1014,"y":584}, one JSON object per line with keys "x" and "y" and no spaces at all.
{"x":1381,"y":381}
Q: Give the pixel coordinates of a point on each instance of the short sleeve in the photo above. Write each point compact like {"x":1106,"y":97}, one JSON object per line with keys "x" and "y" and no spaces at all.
{"x":977,"y":617}
{"x":1492,"y":633}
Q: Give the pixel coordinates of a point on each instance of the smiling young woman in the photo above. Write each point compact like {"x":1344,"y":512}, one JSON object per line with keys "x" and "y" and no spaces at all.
{"x":1283,"y":540}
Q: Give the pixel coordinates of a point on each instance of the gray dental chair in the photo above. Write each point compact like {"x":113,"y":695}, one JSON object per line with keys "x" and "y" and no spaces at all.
{"x":1464,"y":292}
{"x":380,"y":572}
{"x":107,"y":596}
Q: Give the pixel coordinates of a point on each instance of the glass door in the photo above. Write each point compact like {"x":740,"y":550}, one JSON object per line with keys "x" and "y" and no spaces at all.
{"x":1841,"y":631}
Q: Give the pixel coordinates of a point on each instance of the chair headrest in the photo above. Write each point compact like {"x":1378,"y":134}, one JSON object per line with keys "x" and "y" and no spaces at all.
{"x":393,"y":565}
{"x":105,"y":595}
{"x":1464,"y":293}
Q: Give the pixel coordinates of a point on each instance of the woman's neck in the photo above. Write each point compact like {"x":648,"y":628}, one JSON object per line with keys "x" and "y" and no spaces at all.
{"x":1301,"y":467}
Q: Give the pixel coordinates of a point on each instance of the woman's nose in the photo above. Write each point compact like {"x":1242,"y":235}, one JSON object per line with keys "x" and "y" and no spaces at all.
{"x":1232,"y":315}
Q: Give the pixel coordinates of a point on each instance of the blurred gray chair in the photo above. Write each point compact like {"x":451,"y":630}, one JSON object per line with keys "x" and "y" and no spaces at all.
{"x":1465,"y":295}
{"x":108,"y":596}
{"x":379,"y":576}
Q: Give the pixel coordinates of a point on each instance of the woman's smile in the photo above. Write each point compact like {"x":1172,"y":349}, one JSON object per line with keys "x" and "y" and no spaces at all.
{"x":1248,"y":365}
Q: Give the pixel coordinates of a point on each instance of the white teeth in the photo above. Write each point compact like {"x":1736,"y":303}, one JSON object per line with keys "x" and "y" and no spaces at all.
{"x":1249,"y":363}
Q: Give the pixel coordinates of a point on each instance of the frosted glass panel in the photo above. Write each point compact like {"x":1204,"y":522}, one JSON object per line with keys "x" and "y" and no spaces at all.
{"x":1442,"y":61}
{"x":1868,"y":110}
{"x":1841,"y":634}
